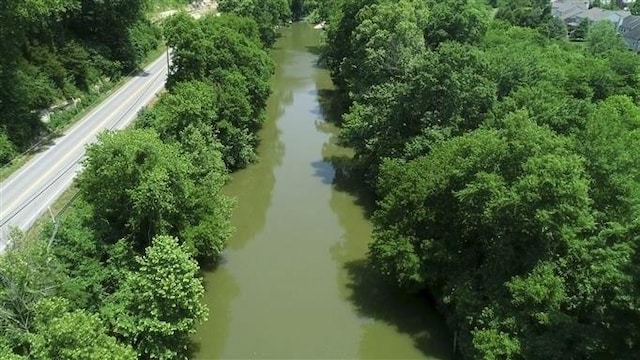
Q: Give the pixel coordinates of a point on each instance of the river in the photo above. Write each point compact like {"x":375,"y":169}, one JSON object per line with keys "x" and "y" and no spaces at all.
{"x":295,"y":283}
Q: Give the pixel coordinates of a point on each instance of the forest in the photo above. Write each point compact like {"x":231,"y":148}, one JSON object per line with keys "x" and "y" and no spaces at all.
{"x":119,"y":275}
{"x":501,"y":157}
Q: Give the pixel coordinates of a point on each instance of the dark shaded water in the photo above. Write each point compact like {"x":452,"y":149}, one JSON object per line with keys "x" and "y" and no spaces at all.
{"x":295,"y":283}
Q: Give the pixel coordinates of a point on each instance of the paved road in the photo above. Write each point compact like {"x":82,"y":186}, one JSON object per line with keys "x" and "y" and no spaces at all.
{"x":28,"y":193}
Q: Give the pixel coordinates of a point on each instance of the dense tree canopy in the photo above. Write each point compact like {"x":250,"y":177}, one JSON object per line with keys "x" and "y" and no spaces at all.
{"x":529,"y":13}
{"x":219,"y":85}
{"x":158,"y":305}
{"x":504,"y":173}
{"x":141,"y":187}
{"x":60,"y":334}
{"x":209,"y":48}
{"x":268,"y":14}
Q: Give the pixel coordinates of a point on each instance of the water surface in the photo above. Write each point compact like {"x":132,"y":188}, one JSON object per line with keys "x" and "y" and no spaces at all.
{"x":295,"y":283}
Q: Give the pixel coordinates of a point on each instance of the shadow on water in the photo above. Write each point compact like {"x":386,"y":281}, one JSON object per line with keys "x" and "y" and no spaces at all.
{"x":193,"y":348}
{"x":332,"y":105}
{"x":412,"y":314}
{"x":371,"y":295}
{"x":320,"y":62}
{"x":347,"y":180}
{"x":315,"y":49}
{"x":324,"y":171}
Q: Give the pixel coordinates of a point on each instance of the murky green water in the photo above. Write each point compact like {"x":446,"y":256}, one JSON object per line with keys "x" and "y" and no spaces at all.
{"x":295,"y":284}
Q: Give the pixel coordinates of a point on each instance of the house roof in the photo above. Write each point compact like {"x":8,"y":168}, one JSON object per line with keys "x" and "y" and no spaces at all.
{"x":569,"y":12}
{"x":633,"y":34}
{"x":597,"y":14}
{"x":630,"y":22}
{"x":562,"y":6}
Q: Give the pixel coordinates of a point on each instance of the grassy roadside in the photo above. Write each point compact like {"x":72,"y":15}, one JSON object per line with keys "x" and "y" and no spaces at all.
{"x":64,"y":120}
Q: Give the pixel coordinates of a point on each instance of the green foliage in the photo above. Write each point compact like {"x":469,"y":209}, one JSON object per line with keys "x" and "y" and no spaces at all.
{"x":547,"y":105}
{"x":581,"y":31}
{"x":223,"y":115}
{"x":339,"y":38}
{"x":603,"y":38}
{"x":503,"y":164}
{"x":447,"y":93}
{"x":158,"y":306}
{"x":140,"y":187}
{"x":635,"y":8}
{"x":7,"y":149}
{"x":219,"y":85}
{"x":529,"y":13}
{"x":611,"y":130}
{"x":78,"y":249}
{"x":457,"y":20}
{"x":268,"y":14}
{"x":555,"y":28}
{"x":27,"y":275}
{"x":72,"y":335}
{"x":66,"y":295}
{"x":209,"y":48}
{"x":459,"y":172}
{"x":479,"y":216}
{"x":386,"y":42}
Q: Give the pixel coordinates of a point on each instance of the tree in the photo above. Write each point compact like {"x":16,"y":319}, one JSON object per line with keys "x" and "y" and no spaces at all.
{"x":635,"y":9}
{"x":555,"y":28}
{"x":339,"y":38}
{"x":54,"y":50}
{"x":529,"y":13}
{"x":72,"y":335}
{"x":504,"y":179}
{"x":108,"y":22}
{"x":455,"y":220}
{"x":81,"y":255}
{"x":458,"y":20}
{"x":222,"y":114}
{"x":206,"y":49}
{"x":611,"y":130}
{"x":603,"y":38}
{"x":447,"y":92}
{"x":28,"y":274}
{"x":159,"y":305}
{"x":268,"y":14}
{"x":580,"y":32}
{"x":385,"y":44}
{"x":140,"y":187}
{"x":547,"y":104}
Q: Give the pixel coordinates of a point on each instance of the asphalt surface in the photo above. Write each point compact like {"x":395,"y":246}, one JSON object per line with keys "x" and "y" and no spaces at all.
{"x":29,"y":192}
